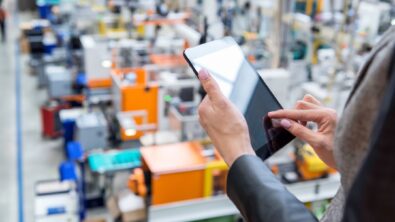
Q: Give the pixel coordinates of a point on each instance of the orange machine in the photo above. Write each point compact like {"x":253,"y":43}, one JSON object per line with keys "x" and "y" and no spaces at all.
{"x":139,"y":95}
{"x":309,"y":165}
{"x":180,"y":172}
{"x":167,"y":60}
{"x":99,"y":83}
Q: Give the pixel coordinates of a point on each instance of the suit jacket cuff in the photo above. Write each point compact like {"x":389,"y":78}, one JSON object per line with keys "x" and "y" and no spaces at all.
{"x":260,"y":196}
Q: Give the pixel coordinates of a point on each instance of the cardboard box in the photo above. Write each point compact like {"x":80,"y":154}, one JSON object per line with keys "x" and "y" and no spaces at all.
{"x":112,"y":207}
{"x":133,"y":216}
{"x":118,"y":207}
{"x":95,"y":220}
{"x":24,"y":45}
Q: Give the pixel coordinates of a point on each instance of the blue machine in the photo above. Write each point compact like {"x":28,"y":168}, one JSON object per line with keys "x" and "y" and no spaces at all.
{"x":75,"y":151}
{"x":68,"y":130}
{"x":45,"y":7}
{"x":114,"y":160}
{"x":68,"y":171}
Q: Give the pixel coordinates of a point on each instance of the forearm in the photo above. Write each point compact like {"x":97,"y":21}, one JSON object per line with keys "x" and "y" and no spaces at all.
{"x":260,"y":196}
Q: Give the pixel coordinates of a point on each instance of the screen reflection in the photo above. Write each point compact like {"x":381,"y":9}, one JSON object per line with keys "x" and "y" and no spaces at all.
{"x":242,"y":85}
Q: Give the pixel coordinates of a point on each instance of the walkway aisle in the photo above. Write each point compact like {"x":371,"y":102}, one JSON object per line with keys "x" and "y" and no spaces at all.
{"x":41,"y":157}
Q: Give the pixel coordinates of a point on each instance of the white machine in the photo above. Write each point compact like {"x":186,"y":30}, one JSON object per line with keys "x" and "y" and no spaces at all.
{"x":170,"y":45}
{"x":97,"y":57}
{"x":371,"y":16}
{"x":130,"y":53}
{"x":184,"y":119}
{"x":56,"y":201}
{"x":170,"y":86}
{"x":278,"y":80}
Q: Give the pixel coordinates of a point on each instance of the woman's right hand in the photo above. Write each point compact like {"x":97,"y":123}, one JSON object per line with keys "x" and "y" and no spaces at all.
{"x":310,"y":109}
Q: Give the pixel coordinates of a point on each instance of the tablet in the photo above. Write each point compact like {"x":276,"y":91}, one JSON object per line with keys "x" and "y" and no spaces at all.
{"x":239,"y":82}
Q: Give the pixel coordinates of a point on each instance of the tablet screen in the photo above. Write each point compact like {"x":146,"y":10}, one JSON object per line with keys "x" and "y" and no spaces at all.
{"x":243,"y":86}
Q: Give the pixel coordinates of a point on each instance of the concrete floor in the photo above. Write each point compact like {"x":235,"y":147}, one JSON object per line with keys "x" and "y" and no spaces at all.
{"x":8,"y":189}
{"x":40,"y":158}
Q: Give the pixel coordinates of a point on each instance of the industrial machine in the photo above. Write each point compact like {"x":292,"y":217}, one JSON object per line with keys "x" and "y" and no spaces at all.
{"x":278,"y":81}
{"x":97,"y":61}
{"x":309,"y":165}
{"x":112,"y":25}
{"x":135,"y":101}
{"x":177,"y":87}
{"x":184,"y":119}
{"x":56,"y":201}
{"x":374,"y":19}
{"x":309,"y":7}
{"x":59,"y":81}
{"x":91,"y":131}
{"x":68,"y":118}
{"x":130,"y":53}
{"x":178,"y":172}
{"x":50,"y":121}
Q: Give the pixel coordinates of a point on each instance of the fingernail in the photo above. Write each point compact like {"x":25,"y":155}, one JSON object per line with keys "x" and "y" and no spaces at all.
{"x":270,"y":113}
{"x":203,"y":74}
{"x":285,"y":123}
{"x":307,"y":96}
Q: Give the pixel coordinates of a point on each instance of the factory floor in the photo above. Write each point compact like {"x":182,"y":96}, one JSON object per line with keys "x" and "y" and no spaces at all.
{"x":41,"y":157}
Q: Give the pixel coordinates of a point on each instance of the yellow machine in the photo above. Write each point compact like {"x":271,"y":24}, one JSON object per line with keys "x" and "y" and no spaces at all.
{"x":136,"y":100}
{"x":111,"y":26}
{"x":179,"y":172}
{"x":309,"y":7}
{"x":309,"y":165}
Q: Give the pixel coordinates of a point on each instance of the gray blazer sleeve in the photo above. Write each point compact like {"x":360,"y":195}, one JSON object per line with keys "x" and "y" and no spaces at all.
{"x":259,"y":196}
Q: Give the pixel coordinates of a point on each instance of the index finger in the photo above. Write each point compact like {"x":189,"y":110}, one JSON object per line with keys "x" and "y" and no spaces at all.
{"x":300,"y":115}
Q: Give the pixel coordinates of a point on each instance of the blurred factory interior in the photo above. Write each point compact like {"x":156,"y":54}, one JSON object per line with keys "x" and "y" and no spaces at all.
{"x":99,"y":113}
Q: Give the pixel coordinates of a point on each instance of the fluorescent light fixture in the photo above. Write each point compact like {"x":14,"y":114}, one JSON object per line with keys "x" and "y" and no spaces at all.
{"x":130,"y":132}
{"x":106,"y":63}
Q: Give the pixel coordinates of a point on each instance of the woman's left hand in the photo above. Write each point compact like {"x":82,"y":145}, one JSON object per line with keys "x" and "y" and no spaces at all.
{"x":223,"y":122}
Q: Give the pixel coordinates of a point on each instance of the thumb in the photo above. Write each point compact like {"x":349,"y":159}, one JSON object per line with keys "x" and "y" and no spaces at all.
{"x":210,"y":86}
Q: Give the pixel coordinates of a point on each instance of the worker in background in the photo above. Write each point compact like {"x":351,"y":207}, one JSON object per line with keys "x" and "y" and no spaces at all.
{"x":264,"y":24}
{"x":239,"y":23}
{"x":340,"y":143}
{"x":227,"y":13}
{"x":204,"y":31}
{"x":161,"y":8}
{"x":3,"y":22}
{"x":250,"y":16}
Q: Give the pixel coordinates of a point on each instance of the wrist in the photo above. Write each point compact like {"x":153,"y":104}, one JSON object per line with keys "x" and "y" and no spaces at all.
{"x":233,"y":156}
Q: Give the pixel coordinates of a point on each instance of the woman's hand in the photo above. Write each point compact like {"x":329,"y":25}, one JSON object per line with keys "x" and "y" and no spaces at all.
{"x":310,"y":109}
{"x":224,"y":124}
